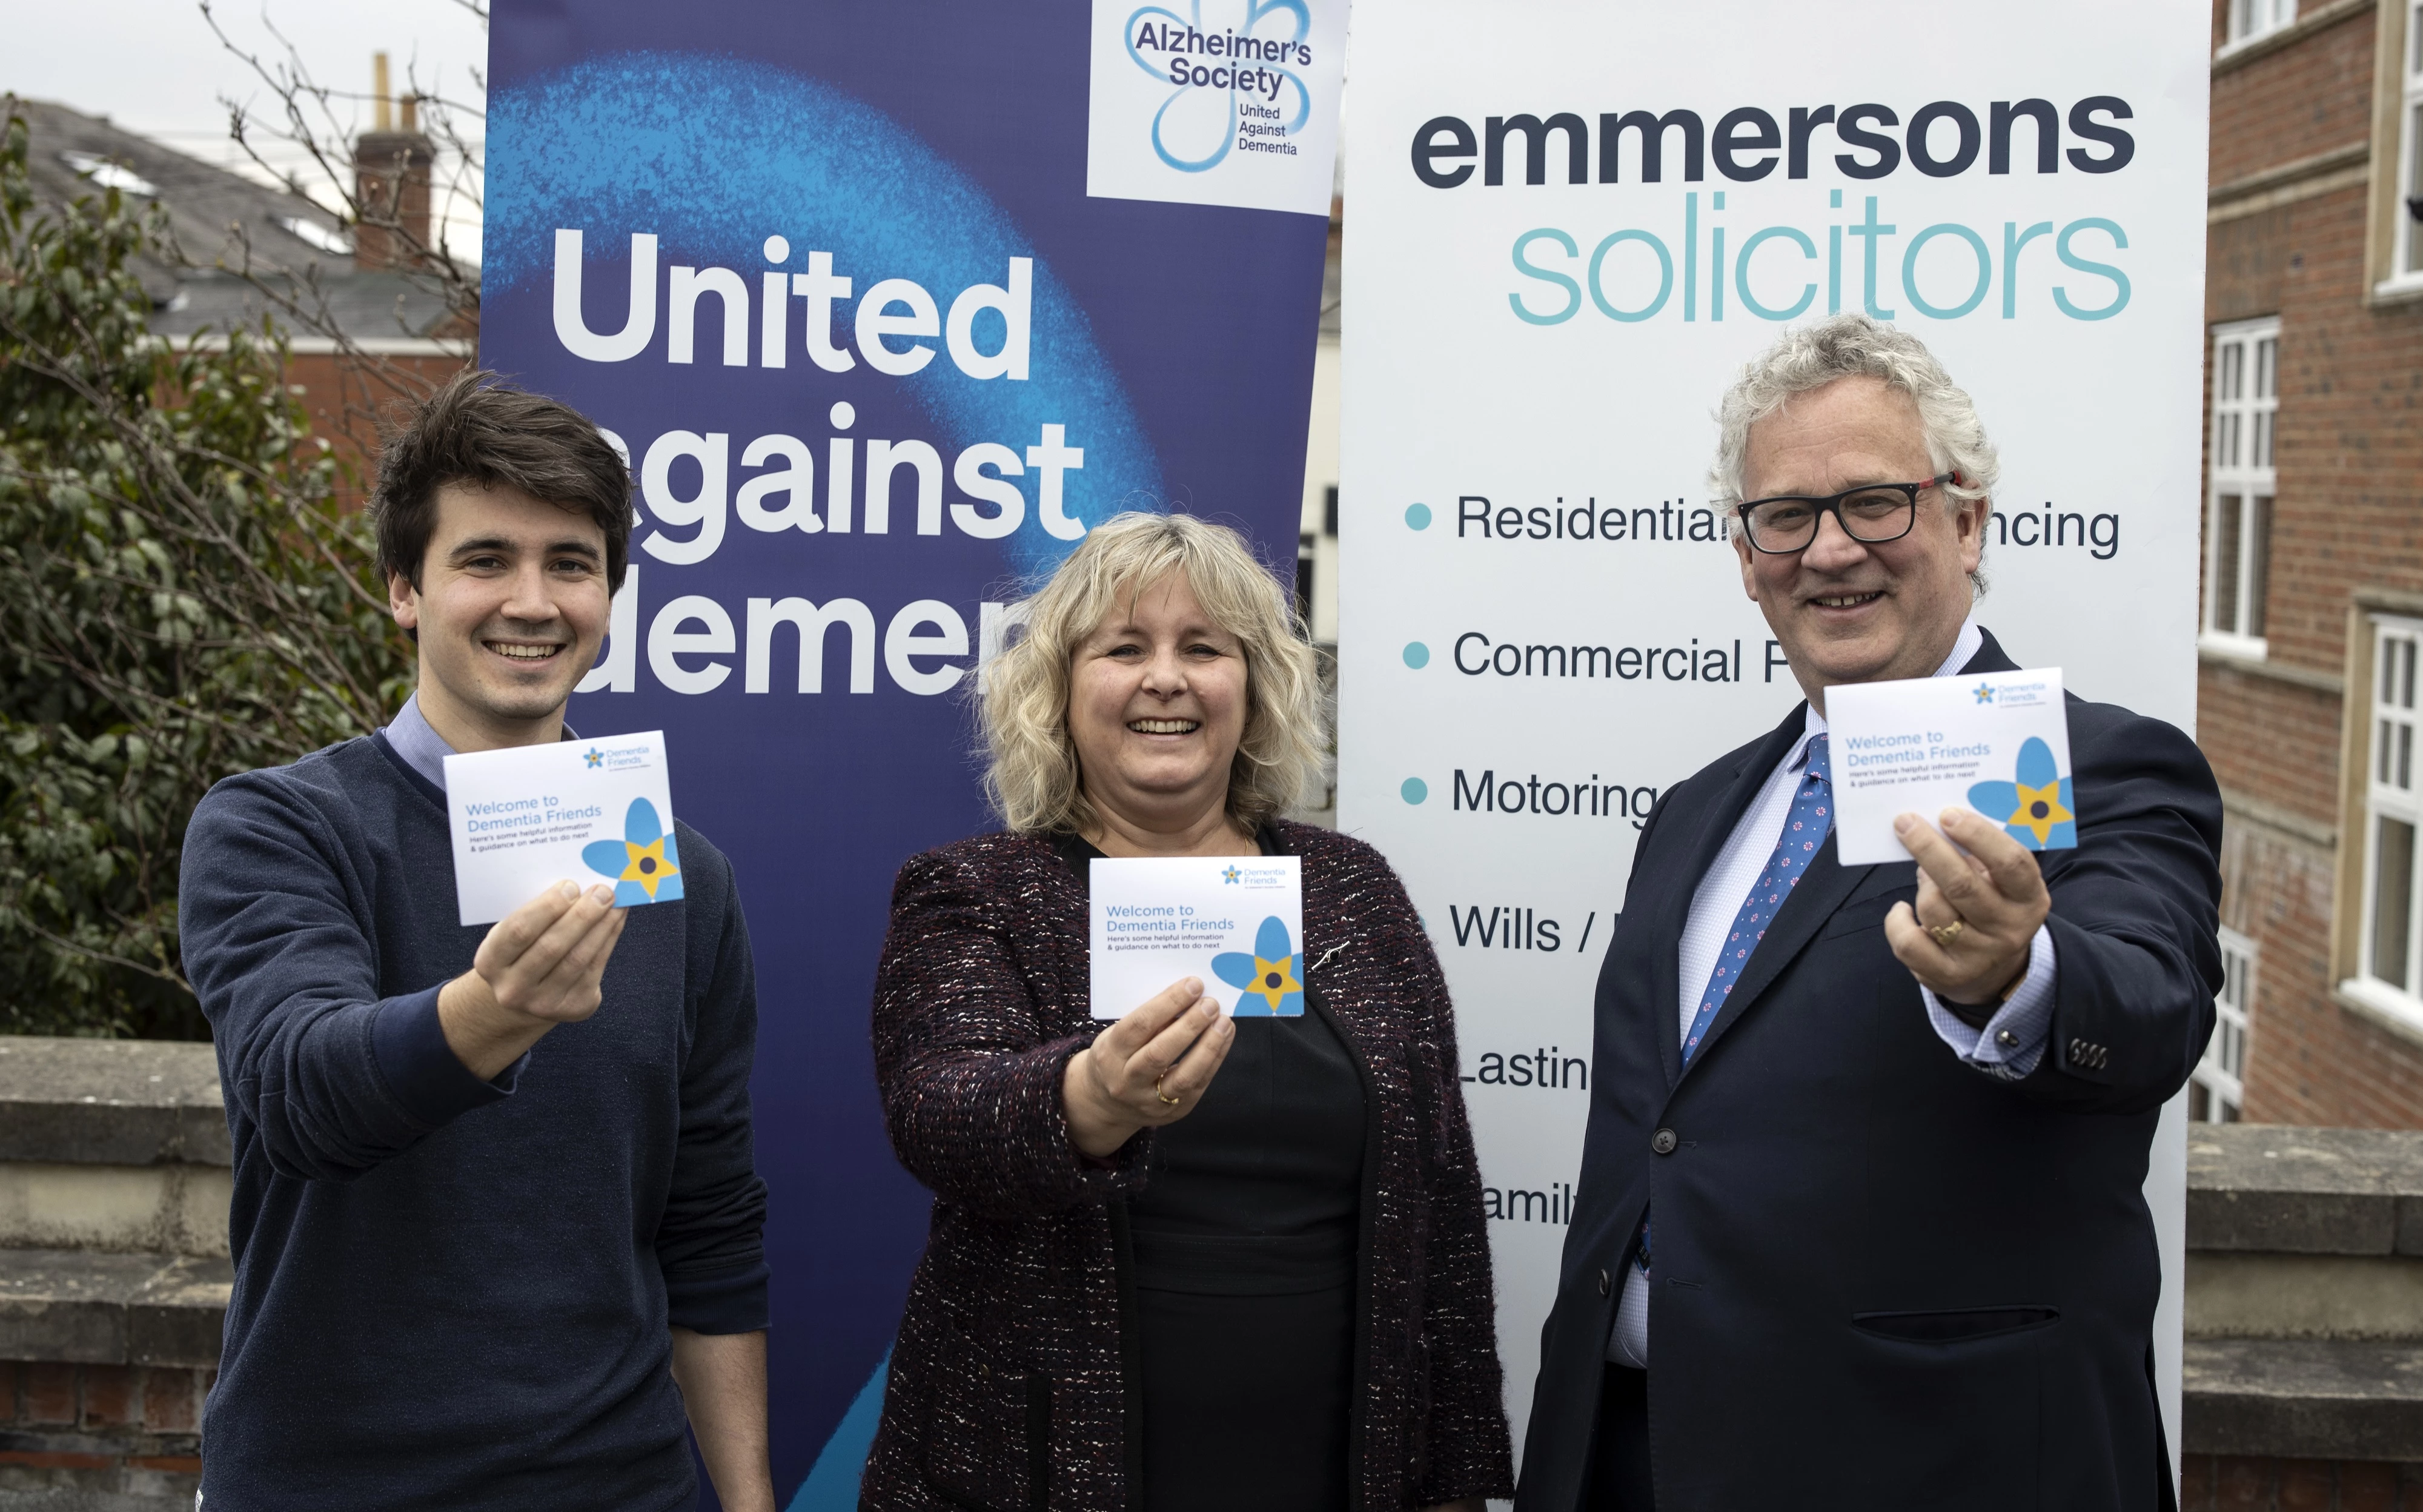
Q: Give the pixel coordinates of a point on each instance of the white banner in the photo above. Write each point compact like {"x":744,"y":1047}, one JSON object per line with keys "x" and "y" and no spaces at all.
{"x":1569,"y":233}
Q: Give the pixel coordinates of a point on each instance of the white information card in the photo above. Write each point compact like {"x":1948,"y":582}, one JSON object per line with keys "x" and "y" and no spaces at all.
{"x":1237,"y":922}
{"x":1998,"y":743}
{"x":590,"y":811}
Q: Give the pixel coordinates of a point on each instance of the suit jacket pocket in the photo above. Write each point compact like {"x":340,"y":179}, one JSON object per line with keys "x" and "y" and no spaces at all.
{"x":1864,"y":913}
{"x":1944,"y":1410}
{"x":1873,"y":899}
{"x":1953,"y":1328}
{"x":988,"y":1433}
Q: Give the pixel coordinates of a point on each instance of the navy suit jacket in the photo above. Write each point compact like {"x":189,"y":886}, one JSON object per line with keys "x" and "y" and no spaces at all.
{"x":1884,"y":1279}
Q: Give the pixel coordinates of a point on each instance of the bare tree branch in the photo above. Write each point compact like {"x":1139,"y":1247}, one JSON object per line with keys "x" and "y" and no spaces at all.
{"x":315,"y":121}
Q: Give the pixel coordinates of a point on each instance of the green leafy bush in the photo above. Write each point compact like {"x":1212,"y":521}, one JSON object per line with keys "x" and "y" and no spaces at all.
{"x":180,"y":597}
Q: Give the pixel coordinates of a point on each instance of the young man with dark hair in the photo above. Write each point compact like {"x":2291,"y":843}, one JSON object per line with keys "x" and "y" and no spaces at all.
{"x":497,"y":1219}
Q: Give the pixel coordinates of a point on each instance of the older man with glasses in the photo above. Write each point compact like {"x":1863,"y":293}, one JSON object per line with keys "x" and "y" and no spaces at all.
{"x":1860,"y":1220}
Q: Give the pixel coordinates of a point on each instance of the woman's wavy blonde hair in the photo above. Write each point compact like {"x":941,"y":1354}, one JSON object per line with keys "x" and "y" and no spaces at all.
{"x":1033,"y":778}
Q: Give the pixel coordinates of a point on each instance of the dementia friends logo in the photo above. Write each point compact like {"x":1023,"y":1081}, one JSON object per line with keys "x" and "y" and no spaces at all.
{"x":2037,"y":809}
{"x":1216,"y":103}
{"x":639,"y":757}
{"x":644,"y":864}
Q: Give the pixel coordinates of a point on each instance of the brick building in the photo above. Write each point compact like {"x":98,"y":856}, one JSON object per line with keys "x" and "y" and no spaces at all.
{"x":2313,"y":569}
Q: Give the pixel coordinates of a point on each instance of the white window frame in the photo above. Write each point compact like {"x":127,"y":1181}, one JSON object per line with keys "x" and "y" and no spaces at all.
{"x":2222,"y":1071}
{"x":2241,"y":485}
{"x":2393,"y":794}
{"x":2406,"y":257}
{"x":2251,"y":19}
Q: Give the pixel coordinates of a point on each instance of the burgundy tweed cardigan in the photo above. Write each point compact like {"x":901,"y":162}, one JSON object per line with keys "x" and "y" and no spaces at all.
{"x":1009,"y":1386}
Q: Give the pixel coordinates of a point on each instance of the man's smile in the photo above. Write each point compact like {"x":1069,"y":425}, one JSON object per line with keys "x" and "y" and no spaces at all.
{"x":1846,"y":600}
{"x":530,"y":651}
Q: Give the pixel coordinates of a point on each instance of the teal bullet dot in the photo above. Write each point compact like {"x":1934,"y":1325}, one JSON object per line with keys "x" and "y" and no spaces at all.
{"x":1415,"y":789}
{"x":1419,"y":516}
{"x":1416,"y":655}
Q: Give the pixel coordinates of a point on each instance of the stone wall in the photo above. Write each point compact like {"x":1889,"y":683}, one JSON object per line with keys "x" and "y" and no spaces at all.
{"x":2303,"y":1357}
{"x":2304,"y":1320}
{"x":114,"y":1275}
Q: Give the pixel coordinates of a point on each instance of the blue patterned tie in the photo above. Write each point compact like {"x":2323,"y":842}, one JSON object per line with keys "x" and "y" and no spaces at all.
{"x":1804,"y":831}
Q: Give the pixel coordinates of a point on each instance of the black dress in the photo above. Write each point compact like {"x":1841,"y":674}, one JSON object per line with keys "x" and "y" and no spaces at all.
{"x":1244,"y":1246}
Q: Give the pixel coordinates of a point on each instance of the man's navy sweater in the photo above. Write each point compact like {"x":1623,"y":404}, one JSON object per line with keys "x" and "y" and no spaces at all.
{"x":453,"y":1292}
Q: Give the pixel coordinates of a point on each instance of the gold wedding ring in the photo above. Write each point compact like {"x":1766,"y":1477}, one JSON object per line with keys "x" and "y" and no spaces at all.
{"x":1164,"y":1097}
{"x":1946,"y":933}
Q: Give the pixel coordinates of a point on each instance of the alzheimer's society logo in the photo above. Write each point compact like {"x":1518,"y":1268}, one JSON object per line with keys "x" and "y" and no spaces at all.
{"x":1216,"y":102}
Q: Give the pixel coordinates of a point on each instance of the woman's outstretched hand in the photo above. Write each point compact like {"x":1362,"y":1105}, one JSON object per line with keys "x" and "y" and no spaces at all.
{"x":1146,"y":1070}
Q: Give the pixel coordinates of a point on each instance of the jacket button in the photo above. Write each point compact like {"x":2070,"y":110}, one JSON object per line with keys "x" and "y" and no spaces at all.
{"x":1605,"y":1283}
{"x":1663,"y":1142}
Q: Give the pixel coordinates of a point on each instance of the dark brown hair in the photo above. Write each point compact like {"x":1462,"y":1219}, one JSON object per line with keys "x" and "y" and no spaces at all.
{"x":476,"y":430}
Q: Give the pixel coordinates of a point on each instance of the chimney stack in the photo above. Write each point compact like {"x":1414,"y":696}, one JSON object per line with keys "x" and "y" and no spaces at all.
{"x":391,"y":182}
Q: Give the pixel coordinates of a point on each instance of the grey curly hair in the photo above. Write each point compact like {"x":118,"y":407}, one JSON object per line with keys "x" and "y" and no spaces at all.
{"x":1853,"y":346}
{"x":1033,"y":777}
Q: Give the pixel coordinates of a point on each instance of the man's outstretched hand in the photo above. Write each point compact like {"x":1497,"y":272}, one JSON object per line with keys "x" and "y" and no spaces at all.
{"x":1995,"y":893}
{"x":539,"y":967}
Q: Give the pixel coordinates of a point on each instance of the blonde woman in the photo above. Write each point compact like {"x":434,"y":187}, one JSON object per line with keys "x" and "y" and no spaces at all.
{"x":1185,"y":1261}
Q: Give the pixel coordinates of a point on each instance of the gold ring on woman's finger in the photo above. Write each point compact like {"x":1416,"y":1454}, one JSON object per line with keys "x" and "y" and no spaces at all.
{"x":1164,"y":1097}
{"x":1946,"y":933}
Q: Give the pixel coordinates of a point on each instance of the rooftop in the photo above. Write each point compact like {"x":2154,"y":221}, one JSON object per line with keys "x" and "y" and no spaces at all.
{"x":222,"y":223}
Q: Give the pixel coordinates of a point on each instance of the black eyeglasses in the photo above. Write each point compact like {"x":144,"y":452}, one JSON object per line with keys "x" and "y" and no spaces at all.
{"x":1871,"y":513}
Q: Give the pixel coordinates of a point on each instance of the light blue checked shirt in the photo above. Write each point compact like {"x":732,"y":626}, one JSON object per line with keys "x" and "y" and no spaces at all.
{"x":2008,"y":1048}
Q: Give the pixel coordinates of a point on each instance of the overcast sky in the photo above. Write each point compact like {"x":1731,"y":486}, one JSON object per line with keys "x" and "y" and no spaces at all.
{"x":153,"y":65}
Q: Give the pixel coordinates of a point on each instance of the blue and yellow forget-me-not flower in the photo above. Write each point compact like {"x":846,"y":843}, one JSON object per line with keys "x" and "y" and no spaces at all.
{"x":644,"y":863}
{"x":1273,"y":987}
{"x":2037,"y":810}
